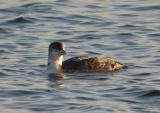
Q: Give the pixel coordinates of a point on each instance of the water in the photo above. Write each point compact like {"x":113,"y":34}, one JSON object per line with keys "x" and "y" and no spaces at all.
{"x":125,"y":30}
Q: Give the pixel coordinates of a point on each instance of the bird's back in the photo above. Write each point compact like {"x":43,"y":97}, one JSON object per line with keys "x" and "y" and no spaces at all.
{"x":90,"y":64}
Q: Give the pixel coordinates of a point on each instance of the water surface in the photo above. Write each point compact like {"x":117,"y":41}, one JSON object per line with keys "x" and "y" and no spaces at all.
{"x":125,"y":30}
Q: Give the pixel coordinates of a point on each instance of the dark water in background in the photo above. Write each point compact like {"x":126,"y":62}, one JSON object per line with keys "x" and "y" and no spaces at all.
{"x":126,"y":30}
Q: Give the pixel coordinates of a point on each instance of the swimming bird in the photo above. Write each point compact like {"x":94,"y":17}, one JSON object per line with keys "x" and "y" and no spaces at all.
{"x":80,"y":64}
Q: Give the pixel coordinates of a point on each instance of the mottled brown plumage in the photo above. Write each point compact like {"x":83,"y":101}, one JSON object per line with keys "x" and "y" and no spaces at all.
{"x":90,"y":64}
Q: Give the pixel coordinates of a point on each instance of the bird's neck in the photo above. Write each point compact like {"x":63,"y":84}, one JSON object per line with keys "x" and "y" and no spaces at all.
{"x":55,"y":64}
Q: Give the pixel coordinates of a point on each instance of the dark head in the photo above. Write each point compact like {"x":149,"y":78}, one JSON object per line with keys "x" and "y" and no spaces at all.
{"x":57,"y":45}
{"x":56,"y":49}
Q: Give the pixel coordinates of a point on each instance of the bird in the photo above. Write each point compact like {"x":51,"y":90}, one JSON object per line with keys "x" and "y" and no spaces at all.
{"x":78,"y":64}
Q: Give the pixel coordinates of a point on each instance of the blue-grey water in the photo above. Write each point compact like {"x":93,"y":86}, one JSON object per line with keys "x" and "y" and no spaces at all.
{"x":125,"y":30}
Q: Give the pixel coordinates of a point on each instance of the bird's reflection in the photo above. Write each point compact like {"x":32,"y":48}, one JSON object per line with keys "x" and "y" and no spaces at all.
{"x":56,"y":80}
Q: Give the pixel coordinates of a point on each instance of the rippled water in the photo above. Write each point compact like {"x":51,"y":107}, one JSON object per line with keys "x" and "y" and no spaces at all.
{"x":126,"y":30}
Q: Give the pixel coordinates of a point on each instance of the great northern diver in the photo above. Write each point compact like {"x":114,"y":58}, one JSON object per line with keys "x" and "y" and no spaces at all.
{"x":78,"y":64}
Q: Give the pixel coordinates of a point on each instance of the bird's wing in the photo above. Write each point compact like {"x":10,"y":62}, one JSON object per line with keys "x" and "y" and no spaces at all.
{"x":93,"y":64}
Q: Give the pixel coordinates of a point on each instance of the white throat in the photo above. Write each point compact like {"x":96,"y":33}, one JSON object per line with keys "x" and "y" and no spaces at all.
{"x":55,"y":65}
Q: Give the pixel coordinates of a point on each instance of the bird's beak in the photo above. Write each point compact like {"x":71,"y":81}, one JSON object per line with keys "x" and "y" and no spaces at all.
{"x":63,"y":52}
